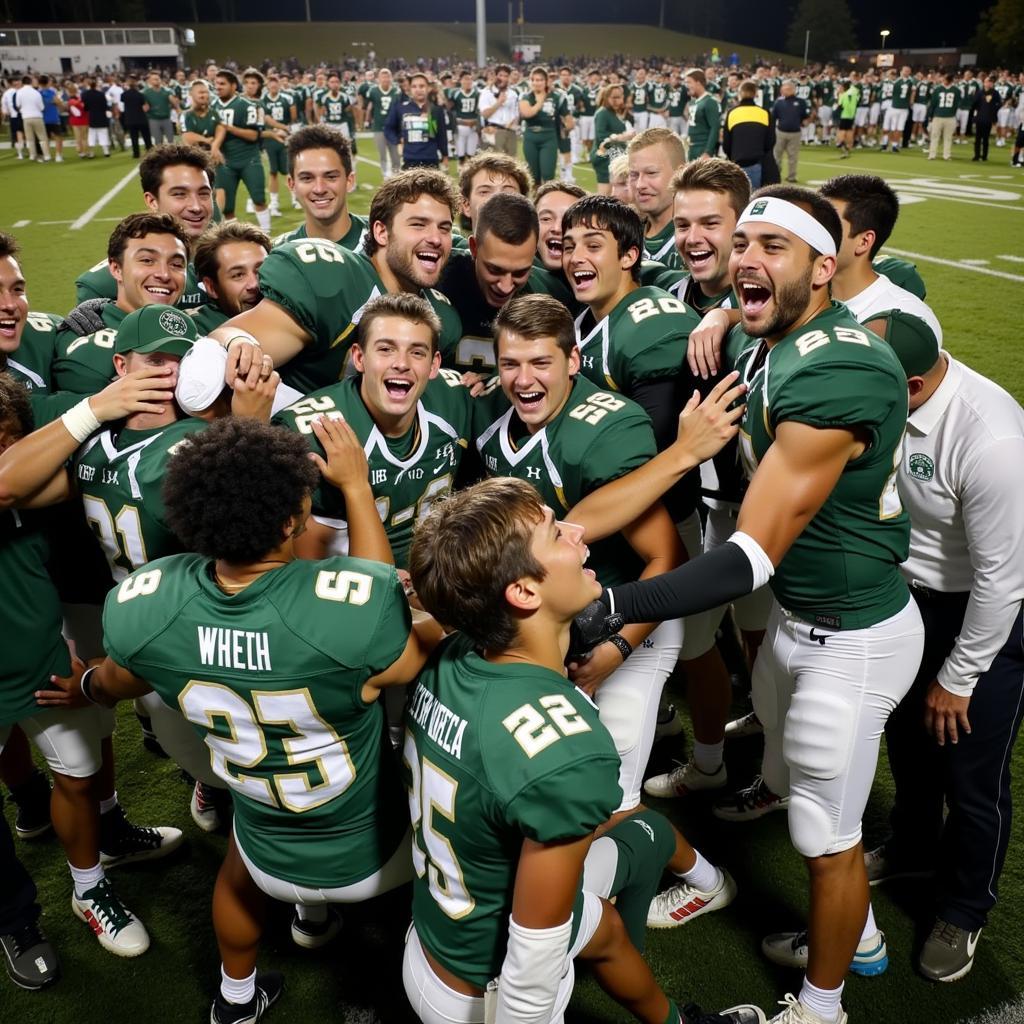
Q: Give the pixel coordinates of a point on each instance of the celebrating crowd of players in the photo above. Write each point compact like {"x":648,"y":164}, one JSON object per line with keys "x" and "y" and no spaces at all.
{"x":252,"y":485}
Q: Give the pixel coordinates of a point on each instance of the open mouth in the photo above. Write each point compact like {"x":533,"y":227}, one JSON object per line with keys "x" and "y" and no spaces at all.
{"x":158,"y":291}
{"x":753,"y":297}
{"x":553,"y":247}
{"x":397,"y":387}
{"x":697,"y":259}
{"x":9,"y":326}
{"x":583,"y":279}
{"x":529,"y":400}
{"x":429,"y":259}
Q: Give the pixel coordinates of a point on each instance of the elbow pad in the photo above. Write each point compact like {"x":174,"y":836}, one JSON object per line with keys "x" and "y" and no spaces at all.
{"x":721,"y":575}
{"x":530,"y":975}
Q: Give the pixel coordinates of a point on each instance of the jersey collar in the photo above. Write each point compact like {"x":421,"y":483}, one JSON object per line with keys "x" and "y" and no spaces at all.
{"x":925,"y":419}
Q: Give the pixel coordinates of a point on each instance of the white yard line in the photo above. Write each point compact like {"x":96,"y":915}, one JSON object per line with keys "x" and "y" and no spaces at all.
{"x":1012,"y":259}
{"x":955,"y":264}
{"x":77,"y":225}
{"x":22,"y":223}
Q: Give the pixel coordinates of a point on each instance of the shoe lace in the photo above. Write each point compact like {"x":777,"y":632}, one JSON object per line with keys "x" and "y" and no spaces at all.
{"x":756,"y":793}
{"x":793,"y":1012}
{"x":126,"y":834}
{"x":25,"y":938}
{"x":107,"y":908}
{"x":674,"y":896}
{"x":946,"y":933}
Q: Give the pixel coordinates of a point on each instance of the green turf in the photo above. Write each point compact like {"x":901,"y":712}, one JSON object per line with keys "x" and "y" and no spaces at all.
{"x":715,"y":959}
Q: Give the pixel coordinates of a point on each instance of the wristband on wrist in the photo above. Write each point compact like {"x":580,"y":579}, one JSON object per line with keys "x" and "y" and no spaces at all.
{"x":625,"y":648}
{"x":85,"y":685}
{"x":80,"y":421}
{"x":245,"y":338}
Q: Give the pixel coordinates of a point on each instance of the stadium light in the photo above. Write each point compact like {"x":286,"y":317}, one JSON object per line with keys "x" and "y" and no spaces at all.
{"x":885,"y":33}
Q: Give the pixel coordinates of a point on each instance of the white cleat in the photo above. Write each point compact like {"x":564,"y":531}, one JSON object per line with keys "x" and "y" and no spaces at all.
{"x":113,"y":924}
{"x":685,"y":779}
{"x":681,"y":903}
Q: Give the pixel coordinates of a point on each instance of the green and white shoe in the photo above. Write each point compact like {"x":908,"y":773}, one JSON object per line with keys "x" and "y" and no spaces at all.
{"x":119,"y":931}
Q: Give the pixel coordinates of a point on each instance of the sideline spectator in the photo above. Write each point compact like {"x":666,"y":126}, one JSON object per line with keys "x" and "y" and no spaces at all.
{"x":135,"y":121}
{"x":749,"y":135}
{"x":790,"y":113}
{"x":28,"y":101}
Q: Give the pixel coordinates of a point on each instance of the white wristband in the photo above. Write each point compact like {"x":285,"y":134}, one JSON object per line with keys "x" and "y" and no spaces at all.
{"x":80,"y":421}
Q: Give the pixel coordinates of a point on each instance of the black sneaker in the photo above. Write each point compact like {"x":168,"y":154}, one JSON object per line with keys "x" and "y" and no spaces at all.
{"x":149,"y":740}
{"x":885,"y":862}
{"x":747,"y":804}
{"x":33,"y":801}
{"x":31,"y":960}
{"x":314,"y":934}
{"x":268,"y":990}
{"x":122,"y":842}
{"x":746,"y":1013}
{"x":948,"y":953}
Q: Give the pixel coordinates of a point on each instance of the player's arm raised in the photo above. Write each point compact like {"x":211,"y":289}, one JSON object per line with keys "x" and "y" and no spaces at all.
{"x":266,"y":329}
{"x":792,"y":482}
{"x":425,"y":635}
{"x":33,"y":472}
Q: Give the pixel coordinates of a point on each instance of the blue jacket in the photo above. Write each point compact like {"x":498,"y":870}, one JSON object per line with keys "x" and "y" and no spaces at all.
{"x":422,"y":132}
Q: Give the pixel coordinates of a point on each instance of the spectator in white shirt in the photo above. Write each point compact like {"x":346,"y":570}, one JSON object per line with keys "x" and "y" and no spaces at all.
{"x":114,"y":93}
{"x":29,"y":103}
{"x":961,"y":479}
{"x":499,"y":112}
{"x":11,"y":113}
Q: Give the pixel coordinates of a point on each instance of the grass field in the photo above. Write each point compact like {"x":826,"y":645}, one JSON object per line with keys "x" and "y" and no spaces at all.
{"x":962,"y":224}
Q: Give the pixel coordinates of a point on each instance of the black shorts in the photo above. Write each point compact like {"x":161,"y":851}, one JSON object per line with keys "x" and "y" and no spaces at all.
{"x":845,"y":124}
{"x":55,"y":131}
{"x":16,"y":126}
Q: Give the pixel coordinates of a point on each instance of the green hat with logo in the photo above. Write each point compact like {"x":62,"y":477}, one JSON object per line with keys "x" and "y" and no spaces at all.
{"x":915,"y":343}
{"x":156,"y":328}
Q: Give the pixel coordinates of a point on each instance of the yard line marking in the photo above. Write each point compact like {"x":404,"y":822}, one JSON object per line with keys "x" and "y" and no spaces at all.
{"x":103,"y":200}
{"x":975,"y":263}
{"x":886,"y":171}
{"x":955,"y":264}
{"x":53,"y":222}
{"x":22,"y":223}
{"x":1012,"y":259}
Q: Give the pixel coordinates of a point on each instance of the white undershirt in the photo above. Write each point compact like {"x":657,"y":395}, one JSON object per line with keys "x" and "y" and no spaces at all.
{"x":883,"y":295}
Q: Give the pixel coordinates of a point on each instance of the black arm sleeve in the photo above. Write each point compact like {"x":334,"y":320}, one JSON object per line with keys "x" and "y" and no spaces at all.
{"x":717,"y":577}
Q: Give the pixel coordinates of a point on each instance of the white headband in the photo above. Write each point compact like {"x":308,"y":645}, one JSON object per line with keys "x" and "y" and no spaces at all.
{"x":784,"y":214}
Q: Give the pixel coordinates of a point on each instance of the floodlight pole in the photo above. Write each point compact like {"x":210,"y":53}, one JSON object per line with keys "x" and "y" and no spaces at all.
{"x":481,"y":33}
{"x":309,"y":17}
{"x":807,"y":43}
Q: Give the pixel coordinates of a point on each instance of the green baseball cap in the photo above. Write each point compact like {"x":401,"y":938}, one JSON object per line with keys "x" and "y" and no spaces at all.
{"x":915,"y":343}
{"x":156,"y":328}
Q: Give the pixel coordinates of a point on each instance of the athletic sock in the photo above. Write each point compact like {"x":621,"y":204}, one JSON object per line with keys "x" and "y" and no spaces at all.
{"x":109,"y":803}
{"x":870,"y":927}
{"x":263,"y":219}
{"x":86,"y":878}
{"x":317,"y":914}
{"x":825,"y":1002}
{"x":237,"y":990}
{"x":703,"y":875}
{"x":708,"y":756}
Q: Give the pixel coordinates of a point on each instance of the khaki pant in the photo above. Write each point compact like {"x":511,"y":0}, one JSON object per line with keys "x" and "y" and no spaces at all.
{"x":788,"y":144}
{"x":504,"y":140}
{"x":35,"y":131}
{"x":941,"y":128}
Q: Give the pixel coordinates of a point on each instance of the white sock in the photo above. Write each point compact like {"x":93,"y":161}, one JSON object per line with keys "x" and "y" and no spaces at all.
{"x":86,"y":878}
{"x":274,"y":203}
{"x":869,"y":925}
{"x":263,"y":219}
{"x":703,"y":875}
{"x":825,"y":1002}
{"x":708,"y":756}
{"x":109,"y":803}
{"x":317,"y":914}
{"x":237,"y":990}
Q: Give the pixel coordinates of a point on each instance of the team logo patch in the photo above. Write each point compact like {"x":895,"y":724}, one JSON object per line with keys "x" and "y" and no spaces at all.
{"x":173,"y":323}
{"x":921,"y":467}
{"x":759,"y":207}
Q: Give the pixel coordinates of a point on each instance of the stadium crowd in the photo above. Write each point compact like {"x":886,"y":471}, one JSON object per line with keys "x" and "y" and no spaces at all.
{"x":394,"y":527}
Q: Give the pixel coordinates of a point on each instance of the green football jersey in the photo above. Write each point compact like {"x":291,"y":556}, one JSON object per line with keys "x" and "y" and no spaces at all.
{"x":279,"y":107}
{"x":642,"y":339}
{"x":494,"y":754}
{"x":323,"y":287}
{"x":120,"y":476}
{"x":32,"y":361}
{"x":967,"y":89}
{"x":208,"y":318}
{"x":677,"y":98}
{"x":705,"y":116}
{"x":466,"y":105}
{"x":886,"y":88}
{"x":662,"y":247}
{"x":803,"y":92}
{"x":30,"y":628}
{"x":637,"y":94}
{"x":351,"y":240}
{"x":473,"y":349}
{"x":842,"y":572}
{"x":944,"y":101}
{"x":656,"y":275}
{"x":240,"y":112}
{"x":334,"y":107}
{"x":272,"y":678}
{"x":657,"y":98}
{"x":825,"y":90}
{"x":590,"y":95}
{"x":85,"y":364}
{"x":205,"y":125}
{"x":596,"y":438}
{"x":98,"y":283}
{"x":381,"y":101}
{"x":901,"y":273}
{"x":159,"y":101}
{"x":923,"y":91}
{"x":901,"y":90}
{"x":407,"y":474}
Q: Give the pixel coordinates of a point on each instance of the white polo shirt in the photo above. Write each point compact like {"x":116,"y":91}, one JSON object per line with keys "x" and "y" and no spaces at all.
{"x":962,"y":483}
{"x":883,"y":295}
{"x":506,"y":114}
{"x":29,"y":103}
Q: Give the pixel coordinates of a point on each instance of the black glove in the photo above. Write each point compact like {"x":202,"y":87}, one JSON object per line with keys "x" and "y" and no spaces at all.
{"x":593,"y":626}
{"x":85,"y":318}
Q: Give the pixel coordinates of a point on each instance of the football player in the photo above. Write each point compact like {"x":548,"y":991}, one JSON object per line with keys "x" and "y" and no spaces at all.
{"x":377,"y":104}
{"x":176,"y":181}
{"x":480,"y":178}
{"x":338,"y":631}
{"x":199,"y":121}
{"x":553,"y":198}
{"x":227,"y":261}
{"x":466,"y":102}
{"x":654,"y":156}
{"x":279,"y":113}
{"x":495,"y":840}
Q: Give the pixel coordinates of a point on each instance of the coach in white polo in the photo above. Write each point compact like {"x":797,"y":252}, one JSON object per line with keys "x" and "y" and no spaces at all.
{"x":499,"y":112}
{"x":962,"y":481}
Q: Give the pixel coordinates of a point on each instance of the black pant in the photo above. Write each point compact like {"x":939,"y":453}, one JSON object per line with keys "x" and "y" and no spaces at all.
{"x":981,"y":133}
{"x":18,"y":907}
{"x":972,"y":776}
{"x":134,"y":130}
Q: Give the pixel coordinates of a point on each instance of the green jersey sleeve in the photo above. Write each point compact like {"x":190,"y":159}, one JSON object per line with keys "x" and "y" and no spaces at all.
{"x":901,"y":273}
{"x":96,"y":283}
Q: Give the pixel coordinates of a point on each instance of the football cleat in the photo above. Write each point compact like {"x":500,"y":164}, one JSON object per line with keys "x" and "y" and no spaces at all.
{"x":681,"y":903}
{"x":744,"y":1014}
{"x":789,"y":949}
{"x":122,"y":842}
{"x":117,"y":929}
{"x":948,"y":952}
{"x":33,"y":801}
{"x":745,"y":725}
{"x":314,"y":934}
{"x":203,"y":808}
{"x":30,"y":959}
{"x":268,"y":990}
{"x":684,"y":779}
{"x":753,"y":802}
{"x":668,"y":724}
{"x":795,"y":1012}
